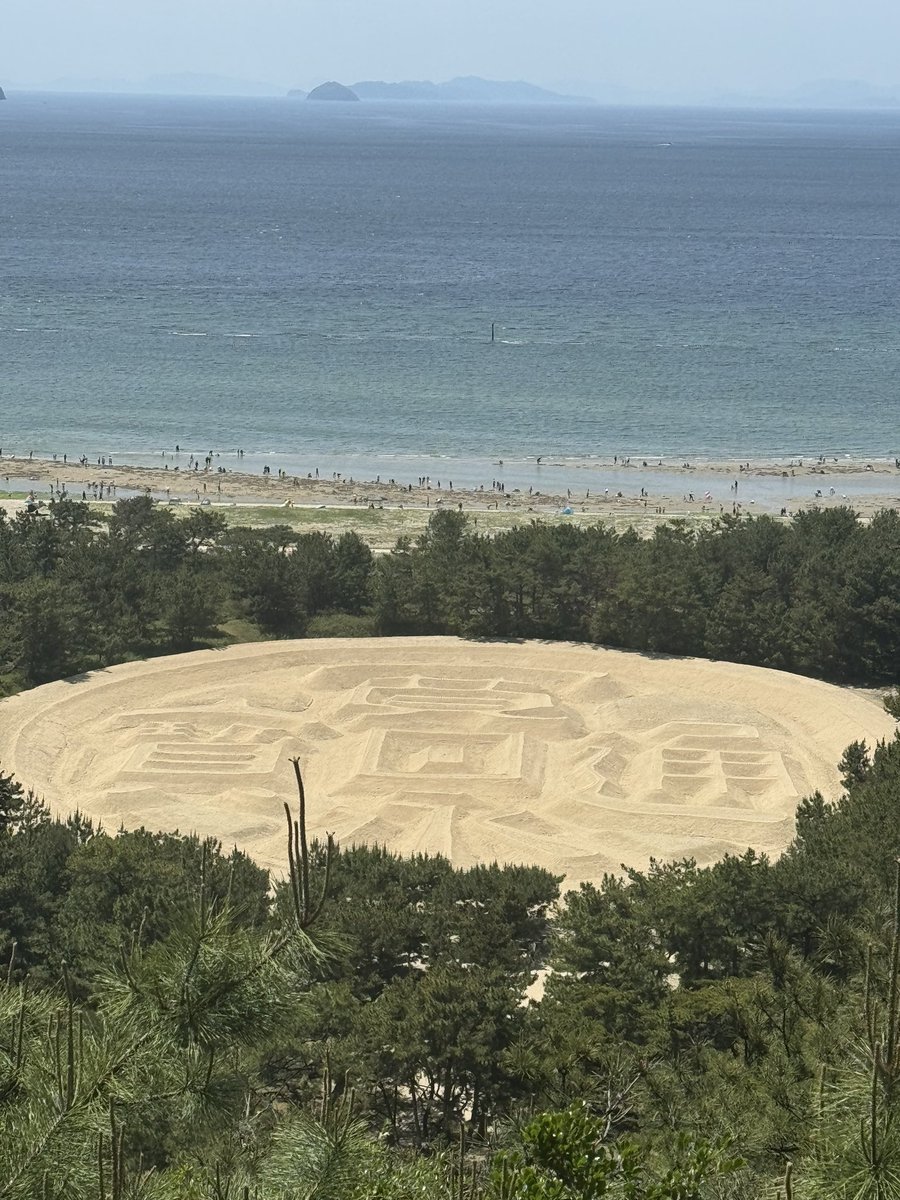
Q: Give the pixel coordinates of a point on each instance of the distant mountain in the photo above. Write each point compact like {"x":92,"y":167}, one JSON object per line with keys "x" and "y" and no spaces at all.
{"x":332,"y":91}
{"x":187,"y":83}
{"x":2,"y":94}
{"x":852,"y":94}
{"x":466,"y":88}
{"x":411,"y":89}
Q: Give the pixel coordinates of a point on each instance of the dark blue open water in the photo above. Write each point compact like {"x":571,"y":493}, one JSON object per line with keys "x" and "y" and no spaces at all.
{"x":319,"y":282}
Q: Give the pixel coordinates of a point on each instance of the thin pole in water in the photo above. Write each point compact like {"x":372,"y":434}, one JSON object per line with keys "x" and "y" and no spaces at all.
{"x":492,"y":333}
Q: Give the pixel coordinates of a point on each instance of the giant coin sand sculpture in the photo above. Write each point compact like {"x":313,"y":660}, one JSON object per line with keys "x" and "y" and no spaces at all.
{"x":576,"y":758}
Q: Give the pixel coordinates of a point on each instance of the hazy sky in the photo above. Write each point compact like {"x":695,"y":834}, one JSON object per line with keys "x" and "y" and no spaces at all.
{"x":664,"y":45}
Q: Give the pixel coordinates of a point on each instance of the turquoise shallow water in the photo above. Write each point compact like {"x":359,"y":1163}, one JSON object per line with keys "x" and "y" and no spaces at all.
{"x":318,"y":284}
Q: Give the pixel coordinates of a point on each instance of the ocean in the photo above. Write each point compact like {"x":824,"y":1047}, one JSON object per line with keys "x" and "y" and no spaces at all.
{"x":317,"y":284}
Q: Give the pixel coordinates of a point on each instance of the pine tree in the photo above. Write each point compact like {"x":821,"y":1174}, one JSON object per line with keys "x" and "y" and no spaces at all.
{"x":164,"y":1049}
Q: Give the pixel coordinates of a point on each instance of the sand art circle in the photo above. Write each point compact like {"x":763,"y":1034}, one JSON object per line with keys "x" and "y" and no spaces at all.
{"x":577,"y":758}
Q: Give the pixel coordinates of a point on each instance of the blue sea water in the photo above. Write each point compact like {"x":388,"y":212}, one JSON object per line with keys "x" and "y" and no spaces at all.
{"x":318,"y":282}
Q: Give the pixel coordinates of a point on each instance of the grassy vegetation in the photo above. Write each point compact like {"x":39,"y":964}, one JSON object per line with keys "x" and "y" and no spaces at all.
{"x":328,"y":625}
{"x":381,"y":528}
{"x":230,"y":632}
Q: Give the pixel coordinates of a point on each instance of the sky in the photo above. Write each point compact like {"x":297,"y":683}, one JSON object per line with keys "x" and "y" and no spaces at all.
{"x":669,"y":47}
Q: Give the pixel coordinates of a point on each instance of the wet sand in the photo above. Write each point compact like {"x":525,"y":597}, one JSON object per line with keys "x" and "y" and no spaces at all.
{"x":648,"y":487}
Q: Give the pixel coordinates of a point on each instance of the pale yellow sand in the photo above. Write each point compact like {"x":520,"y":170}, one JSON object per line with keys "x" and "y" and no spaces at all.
{"x":575,"y":758}
{"x":624,"y":498}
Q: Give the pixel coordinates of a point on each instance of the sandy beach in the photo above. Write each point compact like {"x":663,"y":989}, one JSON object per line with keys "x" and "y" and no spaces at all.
{"x":645,"y":489}
{"x":577,"y":758}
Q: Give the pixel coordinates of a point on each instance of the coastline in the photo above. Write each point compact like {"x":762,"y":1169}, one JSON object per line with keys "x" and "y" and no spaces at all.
{"x":650,"y":487}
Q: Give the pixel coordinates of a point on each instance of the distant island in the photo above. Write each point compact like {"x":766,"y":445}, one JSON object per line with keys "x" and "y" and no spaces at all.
{"x":816,"y":94}
{"x":464,"y":88}
{"x":2,"y":94}
{"x":469,"y":88}
{"x":332,"y":91}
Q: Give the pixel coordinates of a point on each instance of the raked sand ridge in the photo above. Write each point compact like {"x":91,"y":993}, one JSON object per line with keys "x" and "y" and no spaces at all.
{"x":577,"y":758}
